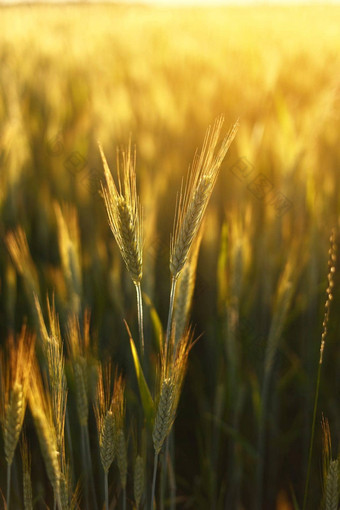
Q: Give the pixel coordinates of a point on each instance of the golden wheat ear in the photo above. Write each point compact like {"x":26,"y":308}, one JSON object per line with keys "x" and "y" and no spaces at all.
{"x":15,"y":364}
{"x":194,"y":196}
{"x":42,"y":412}
{"x":173,"y":368}
{"x":105,"y":419}
{"x":125,"y":219}
{"x":123,"y":210}
{"x":119,"y":411}
{"x":18,"y":248}
{"x":174,"y":362}
{"x":192,"y":202}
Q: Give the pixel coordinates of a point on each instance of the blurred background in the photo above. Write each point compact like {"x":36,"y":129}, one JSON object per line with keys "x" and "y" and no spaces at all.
{"x":71,"y":75}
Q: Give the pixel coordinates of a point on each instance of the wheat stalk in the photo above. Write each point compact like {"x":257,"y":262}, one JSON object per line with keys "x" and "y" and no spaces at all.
{"x":78,"y":347}
{"x":185,"y":290}
{"x":329,"y":296}
{"x":69,"y":498}
{"x":27,"y":482}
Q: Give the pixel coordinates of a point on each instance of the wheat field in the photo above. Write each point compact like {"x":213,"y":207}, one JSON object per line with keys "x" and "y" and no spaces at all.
{"x":169,"y":292}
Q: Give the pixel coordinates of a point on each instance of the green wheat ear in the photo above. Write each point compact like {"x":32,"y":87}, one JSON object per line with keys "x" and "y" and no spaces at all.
{"x":139,"y":480}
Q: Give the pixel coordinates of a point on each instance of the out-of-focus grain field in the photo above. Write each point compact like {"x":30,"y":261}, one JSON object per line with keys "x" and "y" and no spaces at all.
{"x":74,"y":75}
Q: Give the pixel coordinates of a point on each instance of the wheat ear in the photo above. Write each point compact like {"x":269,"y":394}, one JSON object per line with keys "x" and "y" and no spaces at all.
{"x":104,"y":412}
{"x":124,"y":212}
{"x":165,"y":415}
{"x":173,"y":369}
{"x":192,"y":202}
{"x":54,"y":354}
{"x":193,"y":198}
{"x":332,"y":486}
{"x":125,"y":220}
{"x":330,"y":471}
{"x":15,"y":364}
{"x":41,"y":409}
{"x":48,"y":445}
{"x":138,"y":482}
{"x":118,"y":408}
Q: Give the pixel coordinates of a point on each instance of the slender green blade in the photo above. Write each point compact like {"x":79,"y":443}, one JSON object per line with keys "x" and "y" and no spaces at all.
{"x":147,"y":402}
{"x":156,"y":322}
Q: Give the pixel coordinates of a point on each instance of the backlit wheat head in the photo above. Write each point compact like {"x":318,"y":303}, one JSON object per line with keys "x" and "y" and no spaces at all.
{"x":194,"y":196}
{"x":104,"y":412}
{"x":119,"y":416}
{"x":124,"y":211}
{"x":42,"y":412}
{"x":54,"y":354}
{"x":173,"y":369}
{"x":18,"y":248}
{"x":15,"y":365}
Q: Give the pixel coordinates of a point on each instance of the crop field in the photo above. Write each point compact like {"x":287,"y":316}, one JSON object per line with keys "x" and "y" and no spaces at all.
{"x":169,"y":228}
